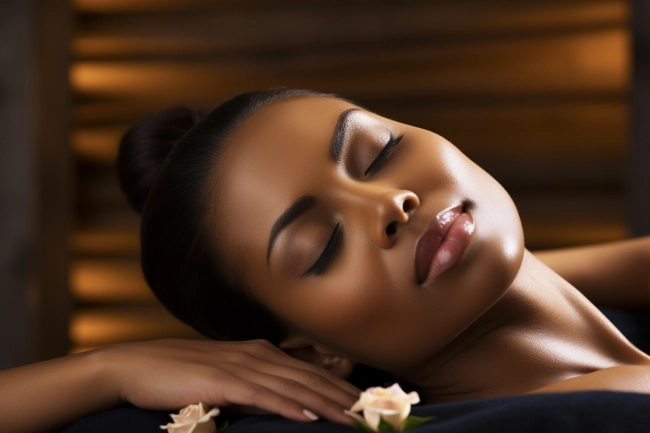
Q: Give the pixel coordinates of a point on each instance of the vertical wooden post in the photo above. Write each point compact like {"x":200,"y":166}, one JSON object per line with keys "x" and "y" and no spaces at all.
{"x":16,"y":185}
{"x":639,"y":154}
{"x":52,"y":304}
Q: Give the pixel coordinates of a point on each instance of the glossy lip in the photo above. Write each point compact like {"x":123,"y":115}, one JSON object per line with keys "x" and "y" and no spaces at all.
{"x":430,"y":259}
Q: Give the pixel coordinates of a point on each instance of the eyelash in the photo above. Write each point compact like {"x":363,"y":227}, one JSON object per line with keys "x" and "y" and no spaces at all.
{"x":383,"y":154}
{"x":321,"y":263}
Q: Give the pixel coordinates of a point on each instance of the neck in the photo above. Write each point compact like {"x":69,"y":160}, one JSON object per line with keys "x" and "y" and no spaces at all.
{"x":540,"y":332}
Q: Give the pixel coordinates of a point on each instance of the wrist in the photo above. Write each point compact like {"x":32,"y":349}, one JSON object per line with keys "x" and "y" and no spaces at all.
{"x":107,"y":372}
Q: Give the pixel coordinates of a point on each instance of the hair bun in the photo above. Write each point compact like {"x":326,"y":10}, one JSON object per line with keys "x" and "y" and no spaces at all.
{"x":145,"y":147}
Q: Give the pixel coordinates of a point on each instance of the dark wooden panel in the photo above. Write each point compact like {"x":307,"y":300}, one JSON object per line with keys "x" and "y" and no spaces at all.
{"x":639,"y":162}
{"x":343,"y":26}
{"x":594,"y":63}
{"x":17,"y":171}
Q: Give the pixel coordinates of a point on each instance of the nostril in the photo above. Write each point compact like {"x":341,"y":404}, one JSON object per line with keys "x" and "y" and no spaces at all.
{"x":391,"y":229}
{"x":408,"y":205}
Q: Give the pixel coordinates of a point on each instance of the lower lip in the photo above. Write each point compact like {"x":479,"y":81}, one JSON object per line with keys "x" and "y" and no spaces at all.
{"x":452,"y":247}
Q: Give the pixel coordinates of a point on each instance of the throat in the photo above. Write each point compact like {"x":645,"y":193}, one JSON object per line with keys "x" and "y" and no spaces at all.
{"x":540,"y":332}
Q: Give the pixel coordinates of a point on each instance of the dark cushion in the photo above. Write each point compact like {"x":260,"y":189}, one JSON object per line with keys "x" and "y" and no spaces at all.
{"x":588,"y":412}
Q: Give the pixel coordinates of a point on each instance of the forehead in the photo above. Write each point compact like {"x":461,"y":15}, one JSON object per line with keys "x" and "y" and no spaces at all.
{"x":274,"y":158}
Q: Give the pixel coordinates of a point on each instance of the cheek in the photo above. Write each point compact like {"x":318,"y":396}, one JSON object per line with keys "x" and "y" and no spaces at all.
{"x":353,"y":295}
{"x":354,"y":309}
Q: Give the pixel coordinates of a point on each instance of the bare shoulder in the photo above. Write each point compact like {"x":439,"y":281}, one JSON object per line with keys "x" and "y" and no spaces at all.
{"x":624,"y":378}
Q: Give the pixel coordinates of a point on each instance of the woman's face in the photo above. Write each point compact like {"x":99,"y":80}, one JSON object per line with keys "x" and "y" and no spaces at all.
{"x":323,"y":224}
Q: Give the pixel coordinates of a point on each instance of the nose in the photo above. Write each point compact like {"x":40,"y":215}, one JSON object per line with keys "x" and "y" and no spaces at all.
{"x":389,"y":211}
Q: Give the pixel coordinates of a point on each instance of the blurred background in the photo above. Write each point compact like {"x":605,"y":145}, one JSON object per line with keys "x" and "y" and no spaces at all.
{"x":543,"y":94}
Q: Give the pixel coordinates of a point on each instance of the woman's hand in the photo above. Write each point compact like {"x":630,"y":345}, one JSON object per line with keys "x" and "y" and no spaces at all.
{"x":170,"y":374}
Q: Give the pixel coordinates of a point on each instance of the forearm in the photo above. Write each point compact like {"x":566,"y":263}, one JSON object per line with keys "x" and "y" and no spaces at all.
{"x":50,"y":395}
{"x":615,"y":275}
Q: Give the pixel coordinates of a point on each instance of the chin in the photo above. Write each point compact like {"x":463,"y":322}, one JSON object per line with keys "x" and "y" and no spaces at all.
{"x":501,"y":236}
{"x":496,"y":253}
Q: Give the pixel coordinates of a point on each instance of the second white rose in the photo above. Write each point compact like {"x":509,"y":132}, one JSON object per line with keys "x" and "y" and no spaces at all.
{"x":391,"y":404}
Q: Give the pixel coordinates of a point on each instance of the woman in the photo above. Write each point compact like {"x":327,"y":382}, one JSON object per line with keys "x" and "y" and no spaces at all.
{"x":344,"y":238}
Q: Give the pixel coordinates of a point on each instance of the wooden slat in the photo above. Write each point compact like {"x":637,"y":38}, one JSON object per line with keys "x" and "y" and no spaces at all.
{"x":109,"y":113}
{"x":98,"y":143}
{"x":107,"y":218}
{"x":102,"y":326}
{"x":239,"y":29}
{"x":109,"y":281}
{"x":594,"y":63}
{"x":107,"y":241}
{"x":558,"y":235}
{"x":130,"y":6}
{"x":561,"y":218}
{"x":140,"y":6}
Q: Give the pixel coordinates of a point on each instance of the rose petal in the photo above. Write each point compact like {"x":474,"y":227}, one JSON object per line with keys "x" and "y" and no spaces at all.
{"x":391,"y":404}
{"x":372,"y":418}
{"x":193,"y":419}
{"x":355,"y":416}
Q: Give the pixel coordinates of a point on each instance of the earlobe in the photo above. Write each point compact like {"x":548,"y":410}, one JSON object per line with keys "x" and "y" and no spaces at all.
{"x":316,"y":354}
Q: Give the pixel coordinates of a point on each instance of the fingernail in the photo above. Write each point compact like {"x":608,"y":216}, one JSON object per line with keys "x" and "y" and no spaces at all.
{"x":309,"y":414}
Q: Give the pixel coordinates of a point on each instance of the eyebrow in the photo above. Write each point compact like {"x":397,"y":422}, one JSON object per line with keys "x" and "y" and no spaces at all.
{"x":298,"y":208}
{"x":340,"y":132}
{"x":304,"y":203}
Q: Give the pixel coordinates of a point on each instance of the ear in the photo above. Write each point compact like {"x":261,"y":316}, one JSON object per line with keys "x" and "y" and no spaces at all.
{"x":317,"y":354}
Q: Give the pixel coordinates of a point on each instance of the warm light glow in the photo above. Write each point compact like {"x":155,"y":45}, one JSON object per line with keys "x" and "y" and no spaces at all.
{"x":101,"y":326}
{"x":540,"y":234}
{"x":97,"y":280}
{"x":135,"y":5}
{"x":100,"y":143}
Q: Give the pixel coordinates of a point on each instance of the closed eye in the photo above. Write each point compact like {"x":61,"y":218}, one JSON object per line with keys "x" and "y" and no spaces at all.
{"x":383,"y":155}
{"x":321,"y":263}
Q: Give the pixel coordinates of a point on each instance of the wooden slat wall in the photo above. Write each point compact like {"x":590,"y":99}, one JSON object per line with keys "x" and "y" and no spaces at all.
{"x":534,"y":91}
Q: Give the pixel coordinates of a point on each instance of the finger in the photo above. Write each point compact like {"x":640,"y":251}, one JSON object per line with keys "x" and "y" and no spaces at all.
{"x":250,"y":394}
{"x":238,"y":410}
{"x":264,"y":355}
{"x":281,"y":358}
{"x":302,"y":395}
{"x":320,"y":382}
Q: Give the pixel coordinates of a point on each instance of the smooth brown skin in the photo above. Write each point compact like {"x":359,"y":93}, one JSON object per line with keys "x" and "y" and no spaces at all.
{"x":499,"y":322}
{"x":168,"y":375}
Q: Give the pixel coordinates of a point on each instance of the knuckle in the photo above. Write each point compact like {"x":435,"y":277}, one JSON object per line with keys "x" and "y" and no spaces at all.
{"x":262,"y":344}
{"x":288,"y":385}
{"x":234,"y":356}
{"x":259,"y":347}
{"x":314,"y":378}
{"x":324,"y":373}
{"x":255,"y":392}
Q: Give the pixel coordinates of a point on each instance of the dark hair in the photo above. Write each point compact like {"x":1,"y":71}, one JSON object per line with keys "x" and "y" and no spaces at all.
{"x":164,"y":164}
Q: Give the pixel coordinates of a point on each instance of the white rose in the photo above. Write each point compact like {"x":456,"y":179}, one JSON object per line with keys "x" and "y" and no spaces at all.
{"x":392,"y":405}
{"x":193,"y":419}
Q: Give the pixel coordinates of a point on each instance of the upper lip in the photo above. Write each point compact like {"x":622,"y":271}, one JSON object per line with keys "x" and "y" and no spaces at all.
{"x":429,"y":242}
